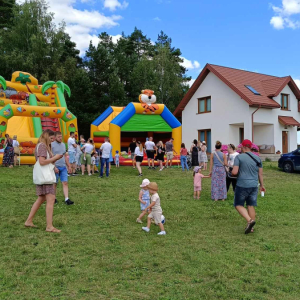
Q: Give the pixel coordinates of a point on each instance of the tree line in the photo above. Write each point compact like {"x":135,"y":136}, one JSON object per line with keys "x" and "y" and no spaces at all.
{"x":107,"y":74}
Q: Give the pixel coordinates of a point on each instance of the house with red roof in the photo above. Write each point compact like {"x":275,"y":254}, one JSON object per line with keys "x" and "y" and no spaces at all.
{"x":230,"y":105}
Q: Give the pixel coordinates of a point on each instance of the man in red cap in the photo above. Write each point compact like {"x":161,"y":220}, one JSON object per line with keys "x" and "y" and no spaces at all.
{"x":248,"y":168}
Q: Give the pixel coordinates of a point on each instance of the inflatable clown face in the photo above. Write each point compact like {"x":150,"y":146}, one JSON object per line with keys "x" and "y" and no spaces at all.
{"x":147,"y":97}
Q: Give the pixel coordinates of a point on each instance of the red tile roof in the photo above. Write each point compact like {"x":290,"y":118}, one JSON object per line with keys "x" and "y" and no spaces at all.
{"x":268,"y":86}
{"x":288,"y":121}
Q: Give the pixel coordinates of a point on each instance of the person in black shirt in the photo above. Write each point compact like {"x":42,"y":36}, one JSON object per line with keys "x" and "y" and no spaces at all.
{"x":131,"y":148}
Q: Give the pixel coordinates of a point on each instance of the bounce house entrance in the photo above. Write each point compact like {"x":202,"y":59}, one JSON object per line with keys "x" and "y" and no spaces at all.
{"x":127,"y":136}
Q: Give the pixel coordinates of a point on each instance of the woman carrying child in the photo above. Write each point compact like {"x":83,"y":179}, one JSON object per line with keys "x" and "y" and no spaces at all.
{"x":198,"y":181}
{"x":203,"y":156}
{"x":155,"y":209}
{"x":144,"y":198}
{"x":160,"y":154}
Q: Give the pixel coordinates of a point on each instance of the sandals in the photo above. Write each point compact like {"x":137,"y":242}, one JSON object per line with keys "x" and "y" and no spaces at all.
{"x":249,"y":227}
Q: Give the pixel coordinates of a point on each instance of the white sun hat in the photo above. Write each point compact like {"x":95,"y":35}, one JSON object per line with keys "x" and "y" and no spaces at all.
{"x":145,"y":183}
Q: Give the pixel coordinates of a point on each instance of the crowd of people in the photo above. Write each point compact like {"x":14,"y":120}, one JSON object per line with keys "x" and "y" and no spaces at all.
{"x":242,"y":171}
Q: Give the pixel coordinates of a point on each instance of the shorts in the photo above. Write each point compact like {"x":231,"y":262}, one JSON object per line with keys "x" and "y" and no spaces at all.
{"x":62,"y":174}
{"x":156,"y":215}
{"x":170,"y":155}
{"x":197,"y":188}
{"x":132,"y":156}
{"x":88,"y":160}
{"x":248,"y":195}
{"x":139,"y":158}
{"x":72,"y":157}
{"x":150,"y":154}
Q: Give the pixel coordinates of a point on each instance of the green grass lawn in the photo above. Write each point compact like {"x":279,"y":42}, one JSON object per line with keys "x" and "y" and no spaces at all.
{"x":103,"y":254}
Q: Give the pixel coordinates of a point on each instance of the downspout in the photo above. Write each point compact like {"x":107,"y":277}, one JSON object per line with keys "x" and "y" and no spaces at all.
{"x":253,"y":122}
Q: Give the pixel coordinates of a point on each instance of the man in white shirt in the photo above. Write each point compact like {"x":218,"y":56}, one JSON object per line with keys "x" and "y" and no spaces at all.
{"x":72,"y":152}
{"x":105,"y":148}
{"x":150,"y":150}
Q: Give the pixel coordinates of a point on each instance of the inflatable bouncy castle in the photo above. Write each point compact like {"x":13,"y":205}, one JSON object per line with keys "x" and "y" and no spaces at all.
{"x":138,"y":120}
{"x":27,"y":108}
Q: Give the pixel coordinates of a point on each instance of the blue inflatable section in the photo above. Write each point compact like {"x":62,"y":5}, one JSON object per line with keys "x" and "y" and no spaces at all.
{"x":124,"y":116}
{"x":169,"y":118}
{"x":103,"y":116}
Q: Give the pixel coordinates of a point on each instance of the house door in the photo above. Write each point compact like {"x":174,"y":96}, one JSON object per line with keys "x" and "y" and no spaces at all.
{"x":205,"y":135}
{"x":285,"y":142}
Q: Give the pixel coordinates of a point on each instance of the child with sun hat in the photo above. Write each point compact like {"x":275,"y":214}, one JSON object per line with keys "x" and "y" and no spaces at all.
{"x":155,"y":209}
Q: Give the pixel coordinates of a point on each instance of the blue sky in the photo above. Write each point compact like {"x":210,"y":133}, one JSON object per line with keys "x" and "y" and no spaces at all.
{"x":257,"y":35}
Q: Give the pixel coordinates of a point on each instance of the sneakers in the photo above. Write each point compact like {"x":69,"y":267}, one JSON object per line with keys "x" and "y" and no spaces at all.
{"x":140,"y":174}
{"x":69,"y":202}
{"x":162,"y":233}
{"x":55,"y":201}
{"x":149,"y":168}
{"x":146,"y":229}
{"x":161,"y":169}
{"x":139,"y":221}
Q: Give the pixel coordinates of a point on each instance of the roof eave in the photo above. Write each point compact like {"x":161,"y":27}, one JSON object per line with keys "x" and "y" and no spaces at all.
{"x":293,"y":86}
{"x":265,"y":106}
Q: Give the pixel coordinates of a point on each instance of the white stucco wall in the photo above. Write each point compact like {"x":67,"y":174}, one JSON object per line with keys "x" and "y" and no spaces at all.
{"x":264,"y":135}
{"x":226,"y":108}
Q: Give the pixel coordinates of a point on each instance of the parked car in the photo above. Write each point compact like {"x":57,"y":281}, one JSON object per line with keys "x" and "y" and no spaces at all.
{"x":290,"y":162}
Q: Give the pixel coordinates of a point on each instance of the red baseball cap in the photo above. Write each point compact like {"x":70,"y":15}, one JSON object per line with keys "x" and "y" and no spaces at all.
{"x":247,"y":143}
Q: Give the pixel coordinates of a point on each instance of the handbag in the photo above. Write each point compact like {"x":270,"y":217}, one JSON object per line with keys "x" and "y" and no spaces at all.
{"x":17,"y":150}
{"x":227,"y":170}
{"x":43,"y":174}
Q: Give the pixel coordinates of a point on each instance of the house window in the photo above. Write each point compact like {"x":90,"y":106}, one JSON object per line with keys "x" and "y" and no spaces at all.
{"x":204,"y":105}
{"x":205,"y":135}
{"x":284,"y":102}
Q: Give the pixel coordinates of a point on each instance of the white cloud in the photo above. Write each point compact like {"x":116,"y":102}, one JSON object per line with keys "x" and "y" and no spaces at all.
{"x":196,"y":64}
{"x":277,"y":22}
{"x":188,"y":64}
{"x":297,"y":81}
{"x":284,"y":15}
{"x":190,"y":83}
{"x":156,"y":19}
{"x":82,"y":25}
{"x":112,"y":5}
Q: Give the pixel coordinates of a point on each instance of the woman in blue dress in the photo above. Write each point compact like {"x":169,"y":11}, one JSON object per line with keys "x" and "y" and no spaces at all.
{"x":218,"y":161}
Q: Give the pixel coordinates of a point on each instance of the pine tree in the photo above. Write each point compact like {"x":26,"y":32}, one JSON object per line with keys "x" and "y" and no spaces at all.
{"x":6,"y":13}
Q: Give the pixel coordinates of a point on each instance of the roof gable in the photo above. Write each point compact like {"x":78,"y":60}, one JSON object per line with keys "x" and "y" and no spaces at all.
{"x":267,"y":86}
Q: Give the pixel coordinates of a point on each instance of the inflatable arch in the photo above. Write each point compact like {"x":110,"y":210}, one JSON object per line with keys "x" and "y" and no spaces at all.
{"x":133,"y":118}
{"x":144,"y":117}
